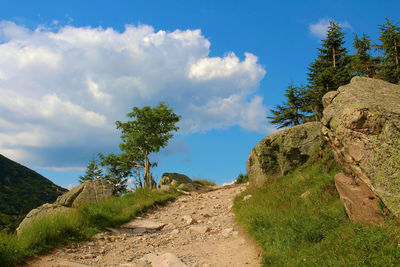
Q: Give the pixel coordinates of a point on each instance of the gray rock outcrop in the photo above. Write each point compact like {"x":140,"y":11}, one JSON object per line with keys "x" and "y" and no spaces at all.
{"x":360,"y":202}
{"x":361,"y":122}
{"x":45,"y":210}
{"x":88,"y":192}
{"x":282,"y":152}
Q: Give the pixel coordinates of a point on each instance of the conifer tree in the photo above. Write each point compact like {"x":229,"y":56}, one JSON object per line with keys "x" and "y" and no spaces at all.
{"x":390,"y":38}
{"x":118,"y":171}
{"x":291,"y":112}
{"x":363,"y":63}
{"x":93,"y":171}
{"x":330,"y":70}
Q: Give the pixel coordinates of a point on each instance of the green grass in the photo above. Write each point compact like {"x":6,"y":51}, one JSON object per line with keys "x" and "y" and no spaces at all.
{"x":314,"y":230}
{"x":77,"y":225}
{"x":204,"y":182}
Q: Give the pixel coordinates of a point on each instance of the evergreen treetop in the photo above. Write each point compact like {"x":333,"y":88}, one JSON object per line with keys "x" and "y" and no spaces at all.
{"x":291,"y":112}
{"x":390,"y":47}
{"x":93,"y":171}
{"x":329,"y":71}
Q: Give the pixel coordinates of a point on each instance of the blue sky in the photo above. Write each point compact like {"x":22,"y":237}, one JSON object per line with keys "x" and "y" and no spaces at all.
{"x":69,"y":69}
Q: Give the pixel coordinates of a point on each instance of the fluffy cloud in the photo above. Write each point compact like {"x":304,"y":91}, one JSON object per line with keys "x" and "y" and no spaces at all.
{"x":320,"y":28}
{"x":61,"y":90}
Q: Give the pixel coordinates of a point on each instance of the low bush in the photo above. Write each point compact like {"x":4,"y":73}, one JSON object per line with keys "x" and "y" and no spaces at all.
{"x":241,"y":179}
{"x":312,"y":229}
{"x":77,"y":225}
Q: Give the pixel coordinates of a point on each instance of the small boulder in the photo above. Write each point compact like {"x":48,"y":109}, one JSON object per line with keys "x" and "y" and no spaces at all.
{"x":199,"y":229}
{"x":305,"y":194}
{"x":189,"y":219}
{"x":177,"y":180}
{"x":92,"y":191}
{"x":247,"y":197}
{"x":226,"y":232}
{"x":141,"y":226}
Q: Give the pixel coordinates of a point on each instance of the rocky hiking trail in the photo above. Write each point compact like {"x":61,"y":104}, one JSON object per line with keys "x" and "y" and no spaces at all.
{"x":197,"y":229}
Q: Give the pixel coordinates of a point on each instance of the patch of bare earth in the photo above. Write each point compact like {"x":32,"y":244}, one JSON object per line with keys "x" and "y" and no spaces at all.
{"x":195,"y":230}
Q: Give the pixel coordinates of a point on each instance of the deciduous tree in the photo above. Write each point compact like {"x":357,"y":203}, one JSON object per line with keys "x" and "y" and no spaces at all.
{"x":148,"y":130}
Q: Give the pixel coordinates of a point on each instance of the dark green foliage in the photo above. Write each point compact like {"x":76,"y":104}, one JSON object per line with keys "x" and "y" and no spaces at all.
{"x":119,"y":168}
{"x":93,"y":171}
{"x":241,"y":179}
{"x":363,"y":64}
{"x":77,"y":225}
{"x":21,"y":190}
{"x":390,"y":38}
{"x":297,"y":229}
{"x":329,"y":71}
{"x":293,"y":111}
{"x":148,"y":130}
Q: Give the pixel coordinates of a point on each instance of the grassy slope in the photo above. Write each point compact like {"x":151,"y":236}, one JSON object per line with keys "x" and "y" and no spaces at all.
{"x":313,"y":231}
{"x":21,"y":190}
{"x":77,"y":225}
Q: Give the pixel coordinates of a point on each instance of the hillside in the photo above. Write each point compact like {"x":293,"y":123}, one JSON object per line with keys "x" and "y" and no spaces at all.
{"x":22,"y":189}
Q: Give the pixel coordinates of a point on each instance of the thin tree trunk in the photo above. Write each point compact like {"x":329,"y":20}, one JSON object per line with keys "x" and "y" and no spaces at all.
{"x":397,"y":61}
{"x":146,"y":170}
{"x":334,"y":57}
{"x":138,"y":175}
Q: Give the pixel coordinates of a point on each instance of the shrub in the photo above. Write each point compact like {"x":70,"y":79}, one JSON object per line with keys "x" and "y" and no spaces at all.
{"x":241,"y":179}
{"x":204,"y":182}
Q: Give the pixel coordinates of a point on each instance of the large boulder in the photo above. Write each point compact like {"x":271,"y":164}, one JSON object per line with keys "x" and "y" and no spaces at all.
{"x":282,"y":152}
{"x":91,"y":191}
{"x":176,"y":180}
{"x":45,"y":210}
{"x":361,"y":122}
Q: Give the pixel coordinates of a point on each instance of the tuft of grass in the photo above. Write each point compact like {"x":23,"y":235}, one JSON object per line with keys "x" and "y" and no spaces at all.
{"x":77,"y":224}
{"x":204,"y":182}
{"x":241,"y":179}
{"x":312,"y":230}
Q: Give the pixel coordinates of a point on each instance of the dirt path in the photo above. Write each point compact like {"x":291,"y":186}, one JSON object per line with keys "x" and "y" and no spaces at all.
{"x":199,"y":231}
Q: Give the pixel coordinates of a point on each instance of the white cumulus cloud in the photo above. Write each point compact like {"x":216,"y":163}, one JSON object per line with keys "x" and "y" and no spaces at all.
{"x":62,"y":90}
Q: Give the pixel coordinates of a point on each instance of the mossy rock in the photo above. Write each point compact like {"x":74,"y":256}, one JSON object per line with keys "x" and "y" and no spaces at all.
{"x":282,"y":152}
{"x":362,"y":124}
{"x":176,"y":180}
{"x":44,"y":211}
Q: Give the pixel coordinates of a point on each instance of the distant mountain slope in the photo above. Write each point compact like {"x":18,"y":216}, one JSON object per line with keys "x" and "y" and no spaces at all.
{"x":22,"y":189}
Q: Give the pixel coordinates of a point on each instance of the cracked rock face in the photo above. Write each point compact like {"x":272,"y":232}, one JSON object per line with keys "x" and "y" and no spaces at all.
{"x":88,"y":192}
{"x":361,"y":122}
{"x":282,"y":152}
